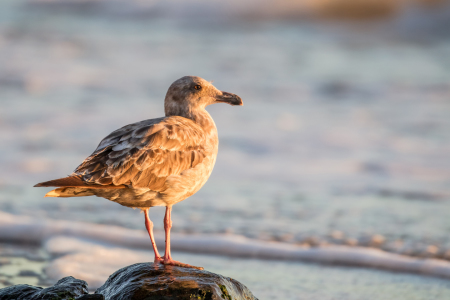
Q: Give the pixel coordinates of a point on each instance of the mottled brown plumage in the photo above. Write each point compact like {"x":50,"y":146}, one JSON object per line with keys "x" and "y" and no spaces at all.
{"x":154,"y":162}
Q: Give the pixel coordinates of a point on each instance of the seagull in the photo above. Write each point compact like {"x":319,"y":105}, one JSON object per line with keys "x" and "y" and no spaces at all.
{"x":156,"y":162}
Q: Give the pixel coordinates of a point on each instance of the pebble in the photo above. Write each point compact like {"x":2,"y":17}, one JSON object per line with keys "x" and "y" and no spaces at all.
{"x":304,"y":245}
{"x":377,"y":240}
{"x":314,"y":241}
{"x":433,"y":249}
{"x":394,"y":246}
{"x":337,"y":235}
{"x":364,"y":240}
{"x":407,"y":249}
{"x":371,"y":241}
{"x":323,"y":243}
{"x":287,"y":237}
{"x":301,"y":238}
{"x":424,"y":250}
{"x":229,"y":230}
{"x":28,"y":273}
{"x":351,"y":242}
{"x":265,"y":236}
{"x":4,"y":261}
{"x":5,"y":282}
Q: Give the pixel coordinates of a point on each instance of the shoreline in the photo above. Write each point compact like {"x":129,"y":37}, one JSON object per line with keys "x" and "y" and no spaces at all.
{"x":274,"y":279}
{"x":20,"y":229}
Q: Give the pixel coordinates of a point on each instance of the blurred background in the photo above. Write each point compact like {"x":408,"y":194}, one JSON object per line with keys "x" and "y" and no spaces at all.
{"x":344,"y":136}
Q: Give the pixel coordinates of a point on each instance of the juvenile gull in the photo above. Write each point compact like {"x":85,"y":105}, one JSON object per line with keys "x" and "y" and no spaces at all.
{"x":156,"y":162}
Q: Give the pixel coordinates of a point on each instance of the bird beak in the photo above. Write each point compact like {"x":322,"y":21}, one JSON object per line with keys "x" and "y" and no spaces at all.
{"x":229,"y":98}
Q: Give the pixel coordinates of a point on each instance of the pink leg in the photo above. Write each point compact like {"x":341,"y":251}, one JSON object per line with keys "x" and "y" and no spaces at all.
{"x":149,"y":226}
{"x":167,"y":256}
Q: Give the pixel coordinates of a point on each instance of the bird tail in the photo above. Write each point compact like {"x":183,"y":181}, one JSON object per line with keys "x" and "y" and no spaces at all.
{"x":70,"y":192}
{"x":64,"y":182}
{"x":74,"y":186}
{"x":71,"y":186}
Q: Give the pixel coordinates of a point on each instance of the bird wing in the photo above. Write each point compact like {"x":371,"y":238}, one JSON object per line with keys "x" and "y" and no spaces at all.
{"x":144,"y":154}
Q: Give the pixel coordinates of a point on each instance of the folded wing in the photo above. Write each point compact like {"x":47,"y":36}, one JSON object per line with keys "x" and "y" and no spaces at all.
{"x":144,"y":154}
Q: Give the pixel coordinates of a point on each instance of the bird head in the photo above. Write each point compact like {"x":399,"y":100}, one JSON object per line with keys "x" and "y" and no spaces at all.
{"x":190,"y":93}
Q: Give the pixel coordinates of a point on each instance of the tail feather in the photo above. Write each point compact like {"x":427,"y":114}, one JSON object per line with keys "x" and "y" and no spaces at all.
{"x":76,"y":181}
{"x":70,"y":192}
{"x":66,"y":181}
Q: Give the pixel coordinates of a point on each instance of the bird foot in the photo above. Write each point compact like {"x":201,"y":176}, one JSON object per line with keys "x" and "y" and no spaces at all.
{"x":171,"y":262}
{"x":158,"y":260}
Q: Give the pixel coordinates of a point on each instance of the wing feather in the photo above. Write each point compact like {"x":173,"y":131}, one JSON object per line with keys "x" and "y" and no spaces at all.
{"x":144,"y":154}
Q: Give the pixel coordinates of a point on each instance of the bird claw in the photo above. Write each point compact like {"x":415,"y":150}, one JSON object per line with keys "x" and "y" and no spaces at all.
{"x":172,"y":262}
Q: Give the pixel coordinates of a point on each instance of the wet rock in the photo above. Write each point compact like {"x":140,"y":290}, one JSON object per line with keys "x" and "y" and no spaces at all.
{"x":19,"y":292}
{"x":30,"y":273}
{"x":141,"y":281}
{"x":68,"y":288}
{"x":91,"y":297}
{"x":145,"y":281}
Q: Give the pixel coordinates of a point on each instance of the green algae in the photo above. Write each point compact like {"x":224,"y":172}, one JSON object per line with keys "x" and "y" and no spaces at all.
{"x":225,"y":294}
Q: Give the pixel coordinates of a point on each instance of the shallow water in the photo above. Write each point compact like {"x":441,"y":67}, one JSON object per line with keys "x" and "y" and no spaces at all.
{"x":266,"y":279}
{"x":308,"y":281}
{"x":343,"y":129}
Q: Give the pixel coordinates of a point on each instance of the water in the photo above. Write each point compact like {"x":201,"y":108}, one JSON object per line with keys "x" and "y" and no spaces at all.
{"x":266,"y":280}
{"x":343,"y":128}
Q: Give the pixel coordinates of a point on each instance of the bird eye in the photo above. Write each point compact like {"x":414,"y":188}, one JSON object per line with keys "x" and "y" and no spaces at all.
{"x":197,"y":87}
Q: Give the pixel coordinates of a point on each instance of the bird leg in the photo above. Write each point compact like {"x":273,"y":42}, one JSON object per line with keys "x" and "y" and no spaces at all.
{"x":167,"y":256}
{"x":149,"y":226}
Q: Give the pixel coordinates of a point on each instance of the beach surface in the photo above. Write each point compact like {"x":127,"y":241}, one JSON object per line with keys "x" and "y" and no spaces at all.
{"x":344,"y":138}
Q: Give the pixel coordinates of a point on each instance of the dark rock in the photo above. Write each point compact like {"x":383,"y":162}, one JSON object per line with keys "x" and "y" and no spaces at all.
{"x":29,"y":273}
{"x":145,"y":281}
{"x":19,"y":292}
{"x":142,"y":281}
{"x":92,"y":297}
{"x":68,"y":288}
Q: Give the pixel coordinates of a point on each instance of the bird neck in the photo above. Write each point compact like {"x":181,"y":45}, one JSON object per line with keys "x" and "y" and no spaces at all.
{"x":199,"y":116}
{"x":206,"y":122}
{"x":202,"y":118}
